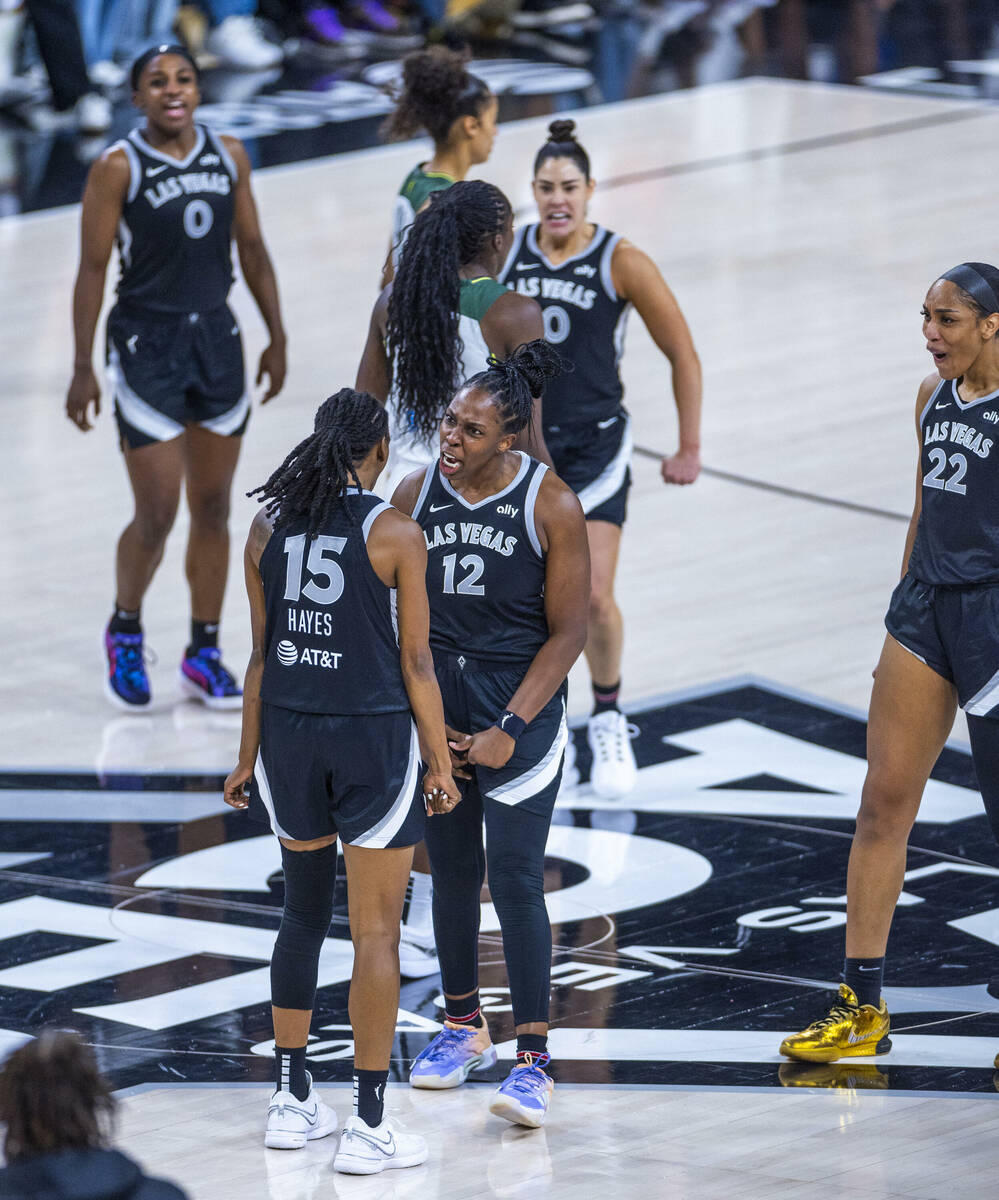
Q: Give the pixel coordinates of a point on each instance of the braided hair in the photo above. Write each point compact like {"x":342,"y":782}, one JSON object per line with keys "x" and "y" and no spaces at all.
{"x":52,"y":1097}
{"x":436,"y":90}
{"x":562,"y":144}
{"x":513,"y":383}
{"x":316,"y":476}
{"x":422,"y":329}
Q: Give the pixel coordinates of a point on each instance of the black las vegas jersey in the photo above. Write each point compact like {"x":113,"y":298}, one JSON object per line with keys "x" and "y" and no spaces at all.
{"x":175,"y":233}
{"x":584,"y":320}
{"x":957,"y":539}
{"x":331,"y":641}
{"x":485,"y":568}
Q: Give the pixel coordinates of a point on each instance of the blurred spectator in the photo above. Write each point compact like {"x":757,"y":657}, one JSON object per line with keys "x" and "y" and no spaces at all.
{"x":237,"y":38}
{"x":58,"y":35}
{"x":58,"y":1111}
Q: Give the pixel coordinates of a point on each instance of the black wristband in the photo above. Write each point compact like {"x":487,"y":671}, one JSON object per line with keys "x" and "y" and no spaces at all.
{"x":512,"y":725}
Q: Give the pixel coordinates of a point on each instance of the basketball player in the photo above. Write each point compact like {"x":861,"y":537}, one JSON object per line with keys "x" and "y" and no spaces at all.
{"x":174,"y":194}
{"x":433,"y":326}
{"x":942,"y":648}
{"x":440,"y":319}
{"x":458,"y":110}
{"x":586,"y":280}
{"x":507,"y":579}
{"x":331,"y":749}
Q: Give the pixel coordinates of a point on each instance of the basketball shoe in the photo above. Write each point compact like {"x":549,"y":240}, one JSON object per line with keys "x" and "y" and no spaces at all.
{"x":366,"y":1150}
{"x":453,"y":1054}
{"x":126,"y":683}
{"x":614,"y":772}
{"x":523,"y":1097}
{"x":292,"y":1122}
{"x":204,"y":677}
{"x":850,"y":1030}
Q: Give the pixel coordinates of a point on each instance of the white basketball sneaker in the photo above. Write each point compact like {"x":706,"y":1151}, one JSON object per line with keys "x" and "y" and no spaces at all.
{"x":417,"y":953}
{"x":292,"y":1122}
{"x":614,"y":771}
{"x":365,"y":1150}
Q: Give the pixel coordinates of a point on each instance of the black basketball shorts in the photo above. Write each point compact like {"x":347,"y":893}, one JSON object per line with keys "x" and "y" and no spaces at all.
{"x":955,"y":631}
{"x":355,"y":776}
{"x":169,"y":370}
{"x":475,"y":693}
{"x":594,"y":459}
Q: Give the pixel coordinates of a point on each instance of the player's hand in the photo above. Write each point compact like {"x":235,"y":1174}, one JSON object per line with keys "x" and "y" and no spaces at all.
{"x":440,"y":792}
{"x":234,"y":788}
{"x":489,"y":748}
{"x":273,"y":364}
{"x":83,"y":392}
{"x":683,"y":467}
{"x":459,"y":758}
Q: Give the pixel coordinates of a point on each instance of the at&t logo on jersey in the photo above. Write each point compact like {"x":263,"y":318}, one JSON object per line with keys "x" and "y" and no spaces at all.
{"x":287,"y":653}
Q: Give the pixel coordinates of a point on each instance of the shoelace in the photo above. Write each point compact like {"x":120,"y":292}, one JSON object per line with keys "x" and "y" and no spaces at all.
{"x":129,"y":664}
{"x":447,"y":1040}
{"x":838,"y":1012}
{"x":211,"y":663}
{"x":530,"y":1078}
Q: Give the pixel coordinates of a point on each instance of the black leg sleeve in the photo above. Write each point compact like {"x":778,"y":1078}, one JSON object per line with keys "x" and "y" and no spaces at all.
{"x":984,"y":734}
{"x":309,"y":878}
{"x":458,"y":868}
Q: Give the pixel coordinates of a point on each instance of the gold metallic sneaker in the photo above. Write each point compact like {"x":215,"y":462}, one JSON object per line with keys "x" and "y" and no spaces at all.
{"x":850,"y":1030}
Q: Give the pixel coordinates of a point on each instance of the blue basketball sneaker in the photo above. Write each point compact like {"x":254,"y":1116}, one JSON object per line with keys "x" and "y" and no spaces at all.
{"x":204,"y":677}
{"x":523,"y":1097}
{"x":452,"y":1055}
{"x":126,"y":683}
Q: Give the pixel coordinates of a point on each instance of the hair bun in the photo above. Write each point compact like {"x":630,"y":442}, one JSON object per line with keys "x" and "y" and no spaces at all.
{"x":562,"y":131}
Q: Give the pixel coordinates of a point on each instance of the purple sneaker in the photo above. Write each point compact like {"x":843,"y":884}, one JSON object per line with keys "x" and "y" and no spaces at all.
{"x":204,"y":677}
{"x":369,"y":14}
{"x":523,"y":1097}
{"x":448,"y":1059}
{"x":126,"y":683}
{"x":324,"y":25}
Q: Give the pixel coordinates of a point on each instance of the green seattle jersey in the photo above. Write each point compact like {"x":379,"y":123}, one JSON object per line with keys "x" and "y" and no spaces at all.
{"x":417,"y":186}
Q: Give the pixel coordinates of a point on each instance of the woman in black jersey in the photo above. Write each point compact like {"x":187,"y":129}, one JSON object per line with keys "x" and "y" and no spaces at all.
{"x":942,"y":648}
{"x":339,"y":670}
{"x":173,"y":194}
{"x":507,"y":579}
{"x":586,"y":280}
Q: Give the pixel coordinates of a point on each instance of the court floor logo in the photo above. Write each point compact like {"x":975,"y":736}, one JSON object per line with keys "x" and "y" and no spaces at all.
{"x":693,"y":921}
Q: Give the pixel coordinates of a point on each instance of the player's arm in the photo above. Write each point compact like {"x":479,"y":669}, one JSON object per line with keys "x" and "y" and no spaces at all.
{"x":235,"y":785}
{"x":408,"y":491}
{"x":374,"y":373}
{"x":637,"y":278}
{"x":510,"y":322}
{"x":562,"y":530}
{"x":258,"y":271}
{"x":398,"y":553}
{"x":107,"y":187}
{"x":926,"y":390}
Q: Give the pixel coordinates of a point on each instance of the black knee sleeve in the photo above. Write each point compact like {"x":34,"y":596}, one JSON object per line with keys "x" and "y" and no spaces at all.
{"x":309,"y":879}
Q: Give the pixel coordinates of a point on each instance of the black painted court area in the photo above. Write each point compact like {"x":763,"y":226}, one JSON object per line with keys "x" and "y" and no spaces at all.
{"x":737,"y":956}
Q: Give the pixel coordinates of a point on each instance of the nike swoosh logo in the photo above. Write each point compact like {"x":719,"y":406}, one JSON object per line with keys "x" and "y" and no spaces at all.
{"x":606,"y":424}
{"x":309,"y":1116}
{"x":386,"y":1147}
{"x":867,"y":968}
{"x":528,"y":266}
{"x":946,"y":404}
{"x":438,"y":507}
{"x":151,"y":171}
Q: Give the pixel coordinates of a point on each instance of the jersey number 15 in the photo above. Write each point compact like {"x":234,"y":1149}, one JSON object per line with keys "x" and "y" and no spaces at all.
{"x":320,"y":566}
